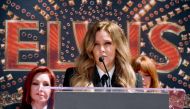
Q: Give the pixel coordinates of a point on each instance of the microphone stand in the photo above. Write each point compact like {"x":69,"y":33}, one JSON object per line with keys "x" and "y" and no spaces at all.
{"x":101,"y":59}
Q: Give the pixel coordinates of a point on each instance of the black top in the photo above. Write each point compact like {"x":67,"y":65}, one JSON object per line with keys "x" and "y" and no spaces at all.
{"x":96,"y":79}
{"x":17,"y":106}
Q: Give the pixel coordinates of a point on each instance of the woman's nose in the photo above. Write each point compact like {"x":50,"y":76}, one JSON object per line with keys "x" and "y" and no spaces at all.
{"x":102,"y":48}
{"x":40,"y":88}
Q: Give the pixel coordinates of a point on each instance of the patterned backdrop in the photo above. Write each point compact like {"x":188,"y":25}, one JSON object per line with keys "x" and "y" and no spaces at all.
{"x":49,"y":32}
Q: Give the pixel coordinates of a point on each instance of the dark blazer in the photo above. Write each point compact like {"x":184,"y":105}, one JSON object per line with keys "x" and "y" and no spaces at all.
{"x":20,"y":106}
{"x":17,"y":106}
{"x":96,"y":79}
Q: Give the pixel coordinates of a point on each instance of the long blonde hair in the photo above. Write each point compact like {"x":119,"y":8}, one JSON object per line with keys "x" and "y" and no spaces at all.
{"x":85,"y":63}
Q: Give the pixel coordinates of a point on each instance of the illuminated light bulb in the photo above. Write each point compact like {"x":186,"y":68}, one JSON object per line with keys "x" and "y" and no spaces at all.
{"x":42,"y":61}
{"x":181,"y":73}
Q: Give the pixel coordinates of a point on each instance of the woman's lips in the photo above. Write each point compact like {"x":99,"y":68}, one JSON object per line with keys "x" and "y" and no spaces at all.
{"x":40,"y":94}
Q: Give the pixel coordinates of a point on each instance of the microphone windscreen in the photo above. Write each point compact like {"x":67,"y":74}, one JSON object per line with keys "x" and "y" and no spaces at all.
{"x":101,"y":59}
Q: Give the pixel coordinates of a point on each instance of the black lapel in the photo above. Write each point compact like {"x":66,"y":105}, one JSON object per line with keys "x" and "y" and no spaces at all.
{"x":114,"y":80}
{"x":96,"y":78}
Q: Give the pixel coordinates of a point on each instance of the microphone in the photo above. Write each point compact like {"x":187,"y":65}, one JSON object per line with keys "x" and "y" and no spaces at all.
{"x":101,"y":59}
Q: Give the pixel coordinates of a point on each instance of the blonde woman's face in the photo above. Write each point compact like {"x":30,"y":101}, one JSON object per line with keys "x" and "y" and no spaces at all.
{"x":104,"y":47}
{"x":38,"y":92}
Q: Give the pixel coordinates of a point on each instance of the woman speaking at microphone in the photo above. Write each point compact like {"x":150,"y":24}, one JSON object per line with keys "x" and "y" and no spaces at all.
{"x":104,"y":60}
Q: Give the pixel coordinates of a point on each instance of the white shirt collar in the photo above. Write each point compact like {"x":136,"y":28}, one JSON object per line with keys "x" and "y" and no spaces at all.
{"x":33,"y":107}
{"x":110,"y":72}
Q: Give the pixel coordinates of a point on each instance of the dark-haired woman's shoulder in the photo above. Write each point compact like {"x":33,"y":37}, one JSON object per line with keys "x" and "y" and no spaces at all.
{"x":13,"y":106}
{"x":17,"y":106}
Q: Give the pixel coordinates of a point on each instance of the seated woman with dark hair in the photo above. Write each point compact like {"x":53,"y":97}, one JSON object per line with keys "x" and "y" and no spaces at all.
{"x":35,"y":96}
